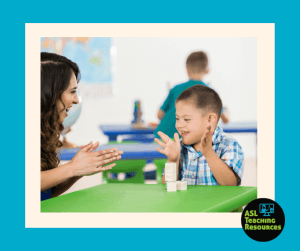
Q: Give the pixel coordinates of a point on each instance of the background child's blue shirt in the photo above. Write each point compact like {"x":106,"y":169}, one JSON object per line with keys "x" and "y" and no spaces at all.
{"x":193,"y":166}
{"x":167,"y":124}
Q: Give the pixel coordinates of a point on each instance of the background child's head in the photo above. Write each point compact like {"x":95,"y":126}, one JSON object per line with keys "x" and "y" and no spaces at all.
{"x":197,"y":65}
{"x":196,"y":108}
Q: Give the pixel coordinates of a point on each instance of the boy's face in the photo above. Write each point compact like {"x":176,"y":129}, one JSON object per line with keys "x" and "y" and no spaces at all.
{"x":190,"y":123}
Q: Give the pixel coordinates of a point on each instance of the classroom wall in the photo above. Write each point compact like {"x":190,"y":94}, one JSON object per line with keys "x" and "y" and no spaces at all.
{"x":144,"y":66}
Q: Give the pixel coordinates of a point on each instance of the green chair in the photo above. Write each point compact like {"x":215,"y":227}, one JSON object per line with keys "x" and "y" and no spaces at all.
{"x":127,"y":166}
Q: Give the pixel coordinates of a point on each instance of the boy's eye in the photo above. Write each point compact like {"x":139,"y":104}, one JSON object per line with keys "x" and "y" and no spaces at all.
{"x":187,"y":120}
{"x":177,"y":118}
{"x":74,"y":91}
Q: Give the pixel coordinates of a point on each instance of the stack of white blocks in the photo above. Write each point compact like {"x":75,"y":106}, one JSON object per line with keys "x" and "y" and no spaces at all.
{"x":170,"y":178}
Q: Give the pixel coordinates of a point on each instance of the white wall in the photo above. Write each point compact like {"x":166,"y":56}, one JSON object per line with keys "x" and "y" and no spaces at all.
{"x":145,"y":65}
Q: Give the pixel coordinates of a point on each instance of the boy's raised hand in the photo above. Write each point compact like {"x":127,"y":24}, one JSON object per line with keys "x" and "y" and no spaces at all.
{"x":170,"y":148}
{"x":206,"y":141}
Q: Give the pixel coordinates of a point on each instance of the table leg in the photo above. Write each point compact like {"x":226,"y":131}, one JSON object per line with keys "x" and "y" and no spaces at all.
{"x":150,"y":171}
{"x":238,"y":210}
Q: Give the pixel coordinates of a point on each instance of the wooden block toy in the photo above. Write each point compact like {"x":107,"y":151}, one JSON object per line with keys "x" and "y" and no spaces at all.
{"x":171,"y":187}
{"x":170,"y":167}
{"x":181,"y":185}
{"x":170,"y":176}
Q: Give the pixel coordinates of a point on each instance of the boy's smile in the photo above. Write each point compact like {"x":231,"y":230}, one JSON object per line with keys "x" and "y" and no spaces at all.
{"x":190,"y":124}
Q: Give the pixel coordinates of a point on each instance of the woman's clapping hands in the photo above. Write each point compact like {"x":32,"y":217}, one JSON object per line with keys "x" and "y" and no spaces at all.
{"x":87,"y":162}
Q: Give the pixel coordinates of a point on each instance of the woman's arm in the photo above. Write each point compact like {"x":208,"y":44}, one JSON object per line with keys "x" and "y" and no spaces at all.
{"x":61,"y":188}
{"x":84,"y":162}
{"x":55,"y":176}
{"x":58,"y":175}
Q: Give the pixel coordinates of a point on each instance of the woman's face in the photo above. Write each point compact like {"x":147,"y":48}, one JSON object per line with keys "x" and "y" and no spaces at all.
{"x":69,"y":97}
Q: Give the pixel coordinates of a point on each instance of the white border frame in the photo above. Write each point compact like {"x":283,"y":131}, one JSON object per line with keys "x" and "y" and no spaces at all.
{"x":265,"y":34}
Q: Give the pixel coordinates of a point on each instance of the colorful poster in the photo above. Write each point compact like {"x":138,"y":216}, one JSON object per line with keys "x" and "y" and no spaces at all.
{"x":92,"y":54}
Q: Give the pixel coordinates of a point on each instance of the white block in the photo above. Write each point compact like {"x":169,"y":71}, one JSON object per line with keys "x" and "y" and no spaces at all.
{"x":181,"y":185}
{"x":170,"y":176}
{"x":171,"y":186}
{"x":170,"y":167}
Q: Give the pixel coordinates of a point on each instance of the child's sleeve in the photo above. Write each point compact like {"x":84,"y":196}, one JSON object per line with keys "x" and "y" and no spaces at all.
{"x":166,"y":105}
{"x":233,"y":156}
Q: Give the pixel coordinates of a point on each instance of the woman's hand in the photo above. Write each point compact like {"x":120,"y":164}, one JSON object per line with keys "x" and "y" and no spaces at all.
{"x":87,"y":162}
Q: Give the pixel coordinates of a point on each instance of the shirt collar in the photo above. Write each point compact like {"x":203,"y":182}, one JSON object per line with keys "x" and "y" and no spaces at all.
{"x":217,"y":136}
{"x":197,"y":82}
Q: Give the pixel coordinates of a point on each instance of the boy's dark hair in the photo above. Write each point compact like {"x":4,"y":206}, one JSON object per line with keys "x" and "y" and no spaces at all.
{"x":197,"y":62}
{"x":204,"y":98}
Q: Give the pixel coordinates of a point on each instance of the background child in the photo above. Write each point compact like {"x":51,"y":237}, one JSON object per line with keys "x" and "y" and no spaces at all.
{"x":197,"y":68}
{"x":205,"y":155}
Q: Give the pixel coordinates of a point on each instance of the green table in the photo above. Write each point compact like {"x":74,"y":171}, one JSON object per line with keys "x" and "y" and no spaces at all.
{"x":151,"y":198}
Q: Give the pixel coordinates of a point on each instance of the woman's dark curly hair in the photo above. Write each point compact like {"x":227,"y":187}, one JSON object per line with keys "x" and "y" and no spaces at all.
{"x":56,"y":73}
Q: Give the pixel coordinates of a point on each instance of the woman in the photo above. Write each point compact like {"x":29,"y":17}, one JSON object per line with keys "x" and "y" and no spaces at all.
{"x":59,"y":78}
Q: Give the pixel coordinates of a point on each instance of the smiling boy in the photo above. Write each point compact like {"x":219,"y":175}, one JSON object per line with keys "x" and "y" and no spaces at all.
{"x":205,"y":155}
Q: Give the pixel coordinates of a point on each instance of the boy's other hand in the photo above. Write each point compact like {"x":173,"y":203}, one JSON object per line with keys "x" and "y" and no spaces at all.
{"x":170,"y":148}
{"x":206,"y":141}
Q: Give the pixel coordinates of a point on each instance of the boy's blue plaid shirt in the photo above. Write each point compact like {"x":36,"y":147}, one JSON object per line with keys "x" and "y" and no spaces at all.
{"x":194,"y":169}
